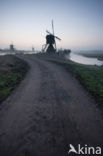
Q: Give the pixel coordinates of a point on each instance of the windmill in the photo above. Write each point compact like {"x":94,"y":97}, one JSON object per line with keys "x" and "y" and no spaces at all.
{"x":50,"y":46}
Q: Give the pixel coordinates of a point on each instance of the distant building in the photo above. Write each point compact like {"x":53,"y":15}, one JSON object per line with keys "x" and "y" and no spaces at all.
{"x":33,"y":49}
{"x":12,"y":47}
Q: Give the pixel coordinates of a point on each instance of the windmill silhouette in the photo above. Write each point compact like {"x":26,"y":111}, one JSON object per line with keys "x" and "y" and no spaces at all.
{"x":50,"y":46}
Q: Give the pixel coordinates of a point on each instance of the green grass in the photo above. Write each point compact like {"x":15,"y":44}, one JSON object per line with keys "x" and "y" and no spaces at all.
{"x":91,"y":77}
{"x":94,"y":55}
{"x":12,"y":77}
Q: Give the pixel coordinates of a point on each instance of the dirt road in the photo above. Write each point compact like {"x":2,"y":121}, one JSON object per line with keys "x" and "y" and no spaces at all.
{"x":47,"y":112}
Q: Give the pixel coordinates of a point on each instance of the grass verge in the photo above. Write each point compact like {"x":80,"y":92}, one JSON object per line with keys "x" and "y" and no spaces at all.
{"x":12,"y":71}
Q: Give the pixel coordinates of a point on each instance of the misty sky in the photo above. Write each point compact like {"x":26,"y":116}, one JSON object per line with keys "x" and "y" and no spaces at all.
{"x":79,"y":23}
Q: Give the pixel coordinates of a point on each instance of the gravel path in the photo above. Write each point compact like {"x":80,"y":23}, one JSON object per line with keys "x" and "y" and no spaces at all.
{"x":48,"y":111}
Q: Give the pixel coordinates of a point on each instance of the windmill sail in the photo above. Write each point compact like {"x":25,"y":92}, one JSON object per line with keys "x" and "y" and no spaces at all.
{"x":53,"y":33}
{"x":53,"y":27}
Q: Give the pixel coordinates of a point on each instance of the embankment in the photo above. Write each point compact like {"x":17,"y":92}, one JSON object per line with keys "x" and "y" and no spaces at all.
{"x":12,"y":71}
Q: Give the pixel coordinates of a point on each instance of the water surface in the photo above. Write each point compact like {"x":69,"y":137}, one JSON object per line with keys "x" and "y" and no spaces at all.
{"x":84,"y":60}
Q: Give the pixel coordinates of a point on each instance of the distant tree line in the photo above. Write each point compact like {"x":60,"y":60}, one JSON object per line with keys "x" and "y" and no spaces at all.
{"x":64,"y":51}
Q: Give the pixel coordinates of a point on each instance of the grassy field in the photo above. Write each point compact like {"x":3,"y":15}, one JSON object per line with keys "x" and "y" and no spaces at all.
{"x":91,"y":77}
{"x":95,"y":55}
{"x":12,"y":71}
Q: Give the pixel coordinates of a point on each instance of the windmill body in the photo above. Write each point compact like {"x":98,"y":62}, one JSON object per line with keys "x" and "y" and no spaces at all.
{"x":50,"y":40}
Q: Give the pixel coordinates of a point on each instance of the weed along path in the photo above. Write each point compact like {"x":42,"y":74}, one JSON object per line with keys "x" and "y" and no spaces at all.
{"x":48,"y":111}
